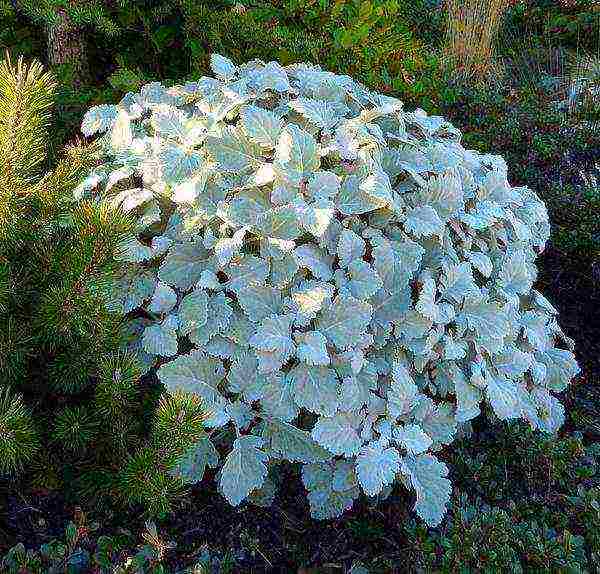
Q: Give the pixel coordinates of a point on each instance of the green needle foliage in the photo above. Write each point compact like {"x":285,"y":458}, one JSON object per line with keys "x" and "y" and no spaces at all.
{"x":18,"y":437}
{"x":72,"y":409}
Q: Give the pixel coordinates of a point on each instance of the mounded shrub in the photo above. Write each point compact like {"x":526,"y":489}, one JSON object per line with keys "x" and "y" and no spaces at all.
{"x":341,"y":282}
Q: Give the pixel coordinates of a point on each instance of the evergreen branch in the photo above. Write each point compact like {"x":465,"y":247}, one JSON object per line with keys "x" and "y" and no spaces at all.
{"x":26,"y":97}
{"x":19,"y":440}
{"x":15,"y":346}
{"x":118,"y":374}
{"x":55,"y":188}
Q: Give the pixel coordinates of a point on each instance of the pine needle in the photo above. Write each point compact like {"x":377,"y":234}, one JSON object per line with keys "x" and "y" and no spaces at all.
{"x":26,"y":98}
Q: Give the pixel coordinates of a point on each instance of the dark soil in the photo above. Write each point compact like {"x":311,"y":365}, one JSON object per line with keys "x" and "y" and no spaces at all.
{"x":575,"y":292}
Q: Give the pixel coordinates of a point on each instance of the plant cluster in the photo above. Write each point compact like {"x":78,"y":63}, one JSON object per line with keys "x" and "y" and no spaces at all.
{"x":63,"y":374}
{"x":82,"y":550}
{"x":491,"y":539}
{"x":570,"y":23}
{"x":516,"y":119}
{"x":339,"y":280}
{"x":470,"y":37}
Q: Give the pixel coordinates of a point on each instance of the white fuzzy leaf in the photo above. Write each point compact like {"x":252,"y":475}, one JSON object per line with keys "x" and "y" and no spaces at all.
{"x":315,"y":260}
{"x":428,"y":477}
{"x":244,"y":378}
{"x":219,"y":314}
{"x":193,"y":311}
{"x":279,"y":223}
{"x":364,"y":280}
{"x":344,"y":321}
{"x":378,"y":187}
{"x":292,"y":443}
{"x":244,"y":469}
{"x":192,"y":465}
{"x":337,"y":434}
{"x":468,"y":399}
{"x":392,"y":302}
{"x":247,"y":206}
{"x":261,"y":125}
{"x":272,"y":77}
{"x":514,"y":277}
{"x":99,"y":119}
{"x":423,"y":222}
{"x":278,"y":399}
{"x":233,"y":151}
{"x":444,"y":194}
{"x":413,"y":439}
{"x":248,"y":270}
{"x":350,"y":247}
{"x":189,"y":189}
{"x":486,"y":319}
{"x":503,"y":395}
{"x":354,"y":200}
{"x":315,"y":388}
{"x":316,"y":217}
{"x":322,"y":113}
{"x":184,"y":264}
{"x":164,"y":298}
{"x":179,"y":162}
{"x":168,"y":121}
{"x":132,"y":250}
{"x":323,"y":185}
{"x":481,"y":262}
{"x":376,"y":467}
{"x":458,"y":282}
{"x":283,"y":271}
{"x":310,"y":298}
{"x":129,"y":290}
{"x":296,"y":154}
{"x":561,"y":367}
{"x":129,"y":199}
{"x":274,"y":334}
{"x":222,"y":66}
{"x":259,"y":301}
{"x":331,"y":488}
{"x":227,"y":247}
{"x":403,"y":391}
{"x":313,"y":350}
{"x":160,"y":339}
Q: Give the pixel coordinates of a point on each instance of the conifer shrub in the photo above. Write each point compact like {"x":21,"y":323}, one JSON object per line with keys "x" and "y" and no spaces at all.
{"x":341,"y":282}
{"x":71,"y":404}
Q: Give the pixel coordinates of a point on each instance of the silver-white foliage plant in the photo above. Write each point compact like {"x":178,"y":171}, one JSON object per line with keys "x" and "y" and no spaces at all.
{"x":353,"y":284}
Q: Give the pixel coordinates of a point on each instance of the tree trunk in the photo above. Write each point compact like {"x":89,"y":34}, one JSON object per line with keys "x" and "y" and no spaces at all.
{"x":66,"y":45}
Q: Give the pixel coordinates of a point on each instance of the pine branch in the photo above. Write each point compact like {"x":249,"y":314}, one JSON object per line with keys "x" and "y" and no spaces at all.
{"x":54,"y":190}
{"x":19,"y":440}
{"x":26,"y":97}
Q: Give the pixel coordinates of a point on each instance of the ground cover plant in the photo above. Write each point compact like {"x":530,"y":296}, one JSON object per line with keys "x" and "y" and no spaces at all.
{"x":522,"y":500}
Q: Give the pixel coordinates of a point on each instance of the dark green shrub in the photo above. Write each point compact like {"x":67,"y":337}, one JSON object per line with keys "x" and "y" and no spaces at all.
{"x":572,"y":23}
{"x":73,"y":413}
{"x":485,"y":539}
